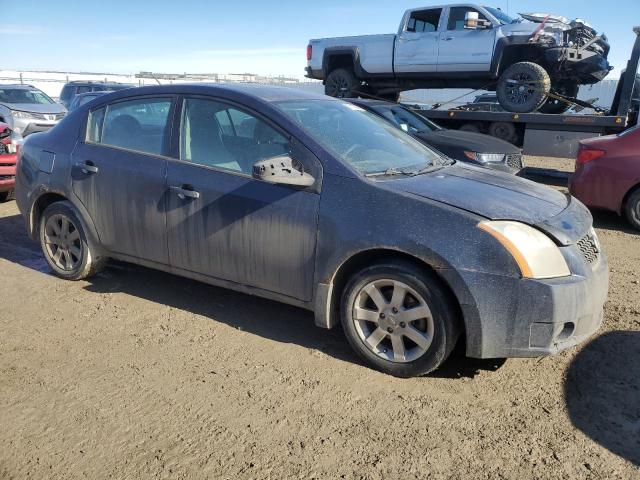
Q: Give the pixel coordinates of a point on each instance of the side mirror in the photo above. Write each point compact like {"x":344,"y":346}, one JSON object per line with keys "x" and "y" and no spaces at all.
{"x":472,"y":21}
{"x":281,"y":170}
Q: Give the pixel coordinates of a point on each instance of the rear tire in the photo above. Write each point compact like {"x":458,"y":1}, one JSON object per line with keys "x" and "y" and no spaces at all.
{"x":342,"y":83}
{"x":412,"y":325}
{"x":65,"y":245}
{"x":523,"y":87}
{"x":632,"y":209}
{"x":554,"y":106}
{"x":504,"y":131}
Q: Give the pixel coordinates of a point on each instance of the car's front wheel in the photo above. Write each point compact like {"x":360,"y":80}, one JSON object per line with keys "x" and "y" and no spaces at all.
{"x":64,"y":243}
{"x":523,"y":87}
{"x":399,"y":318}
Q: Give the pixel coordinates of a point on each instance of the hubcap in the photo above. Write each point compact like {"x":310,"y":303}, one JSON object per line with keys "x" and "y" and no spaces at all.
{"x":393,"y":320}
{"x":62,"y":242}
{"x":339,"y":87}
{"x":520,"y":88}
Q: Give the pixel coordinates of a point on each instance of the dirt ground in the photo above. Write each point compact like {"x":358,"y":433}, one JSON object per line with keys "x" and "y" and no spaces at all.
{"x":140,"y":374}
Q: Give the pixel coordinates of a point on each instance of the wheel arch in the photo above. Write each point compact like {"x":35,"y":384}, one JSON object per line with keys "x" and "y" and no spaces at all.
{"x":341,"y":57}
{"x":625,"y":198}
{"x":508,"y":53}
{"x":327,"y":304}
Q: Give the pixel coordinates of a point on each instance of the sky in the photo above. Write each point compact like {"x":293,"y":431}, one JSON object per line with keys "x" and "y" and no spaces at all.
{"x":251,"y":36}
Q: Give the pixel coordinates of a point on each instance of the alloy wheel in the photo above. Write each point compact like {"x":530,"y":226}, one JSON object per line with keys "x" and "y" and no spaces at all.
{"x":520,"y":88}
{"x":393,"y":320}
{"x":62,"y":242}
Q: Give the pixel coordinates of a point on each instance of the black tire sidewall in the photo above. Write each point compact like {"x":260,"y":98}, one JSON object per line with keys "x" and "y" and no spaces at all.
{"x":63,"y":208}
{"x":442,"y":310}
{"x":537,"y":100}
{"x":350,"y":78}
{"x":632,"y":209}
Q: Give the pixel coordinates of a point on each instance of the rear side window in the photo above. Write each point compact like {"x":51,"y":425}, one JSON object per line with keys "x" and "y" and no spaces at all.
{"x":82,"y":89}
{"x":134,"y":124}
{"x":456,"y":17}
{"x":424,"y":20}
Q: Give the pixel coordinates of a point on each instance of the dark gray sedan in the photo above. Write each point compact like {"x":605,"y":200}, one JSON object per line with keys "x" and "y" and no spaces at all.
{"x":314,"y":202}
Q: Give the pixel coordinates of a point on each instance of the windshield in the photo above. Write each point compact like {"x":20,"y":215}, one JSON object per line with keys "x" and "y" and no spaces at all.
{"x":23,"y":95}
{"x":362,"y":139}
{"x":407,"y":120}
{"x":502,"y":17}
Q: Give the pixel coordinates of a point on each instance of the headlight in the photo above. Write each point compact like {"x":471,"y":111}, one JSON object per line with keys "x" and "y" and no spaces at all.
{"x":534,"y":252}
{"x":20,"y":114}
{"x":485,"y":157}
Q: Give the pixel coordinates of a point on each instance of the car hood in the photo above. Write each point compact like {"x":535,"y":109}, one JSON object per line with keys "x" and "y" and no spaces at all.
{"x":476,"y":142}
{"x":493,"y":195}
{"x":37,"y":107}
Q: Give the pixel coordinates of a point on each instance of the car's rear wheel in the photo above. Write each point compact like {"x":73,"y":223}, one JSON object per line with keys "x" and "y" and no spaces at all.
{"x":504,"y":131}
{"x":632,"y":209}
{"x":523,"y":87}
{"x":342,"y":83}
{"x":64,"y":243}
{"x":399,"y":318}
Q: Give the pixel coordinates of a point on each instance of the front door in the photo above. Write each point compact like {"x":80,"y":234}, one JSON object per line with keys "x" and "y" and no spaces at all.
{"x":416,"y":48}
{"x":223,"y":223}
{"x":119,"y":176}
{"x":465,"y":50}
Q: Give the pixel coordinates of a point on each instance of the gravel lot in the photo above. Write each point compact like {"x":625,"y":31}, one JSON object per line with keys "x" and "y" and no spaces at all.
{"x":140,"y":374}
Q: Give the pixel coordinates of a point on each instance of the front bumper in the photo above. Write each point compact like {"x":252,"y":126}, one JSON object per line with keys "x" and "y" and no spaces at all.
{"x":583,"y":66}
{"x":7,"y":172}
{"x":27,"y":126}
{"x":512,"y":317}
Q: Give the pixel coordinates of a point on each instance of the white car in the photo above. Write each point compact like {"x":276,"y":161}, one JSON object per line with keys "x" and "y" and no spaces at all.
{"x":28,"y":110}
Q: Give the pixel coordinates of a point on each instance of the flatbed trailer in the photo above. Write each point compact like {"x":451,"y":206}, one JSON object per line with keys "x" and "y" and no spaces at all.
{"x":548,"y":134}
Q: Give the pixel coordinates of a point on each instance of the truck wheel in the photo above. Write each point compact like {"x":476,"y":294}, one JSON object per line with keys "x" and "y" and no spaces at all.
{"x":470,"y":127}
{"x":504,"y":131}
{"x":523,"y":87}
{"x":341,"y":83}
{"x":555,"y":106}
{"x":632,"y":209}
{"x":399,"y":318}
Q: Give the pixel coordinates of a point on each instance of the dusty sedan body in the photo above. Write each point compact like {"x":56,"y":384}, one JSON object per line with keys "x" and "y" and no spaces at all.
{"x":313,"y":202}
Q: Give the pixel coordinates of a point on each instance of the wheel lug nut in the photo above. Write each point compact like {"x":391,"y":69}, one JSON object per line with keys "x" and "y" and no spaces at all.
{"x":402,"y":324}
{"x":382,"y":315}
{"x":394,"y":310}
{"x":390,"y":330}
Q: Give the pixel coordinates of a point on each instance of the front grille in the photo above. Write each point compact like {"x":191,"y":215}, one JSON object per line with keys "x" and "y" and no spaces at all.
{"x":7,"y":177}
{"x":46,"y":116}
{"x":589,"y":248}
{"x":514,"y":160}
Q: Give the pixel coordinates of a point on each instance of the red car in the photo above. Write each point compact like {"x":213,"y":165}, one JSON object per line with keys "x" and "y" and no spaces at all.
{"x":9,"y":145}
{"x":608,"y":174}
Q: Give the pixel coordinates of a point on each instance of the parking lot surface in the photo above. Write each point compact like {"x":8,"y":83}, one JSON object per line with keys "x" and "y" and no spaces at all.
{"x":141,"y":374}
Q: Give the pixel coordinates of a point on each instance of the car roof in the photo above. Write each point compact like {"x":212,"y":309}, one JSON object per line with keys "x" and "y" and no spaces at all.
{"x":265,"y":93}
{"x":18,"y":86}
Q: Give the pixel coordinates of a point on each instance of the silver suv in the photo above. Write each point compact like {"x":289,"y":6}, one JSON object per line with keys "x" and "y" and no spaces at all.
{"x":28,"y":110}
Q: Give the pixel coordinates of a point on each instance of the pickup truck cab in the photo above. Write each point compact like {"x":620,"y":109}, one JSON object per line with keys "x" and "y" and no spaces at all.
{"x":523,"y":59}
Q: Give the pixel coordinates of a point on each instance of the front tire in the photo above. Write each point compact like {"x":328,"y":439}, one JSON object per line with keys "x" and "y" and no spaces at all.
{"x":399,"y":319}
{"x":632,"y":209}
{"x":342,"y":83}
{"x":64,"y":243}
{"x":523,"y":87}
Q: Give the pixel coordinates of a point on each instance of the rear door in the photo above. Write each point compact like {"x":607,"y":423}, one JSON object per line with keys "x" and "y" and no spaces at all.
{"x":119,"y":175}
{"x":223,"y":223}
{"x":465,"y":50}
{"x":416,"y":48}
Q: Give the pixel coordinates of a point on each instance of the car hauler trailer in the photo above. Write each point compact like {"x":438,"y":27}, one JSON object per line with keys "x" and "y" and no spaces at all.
{"x":548,"y":134}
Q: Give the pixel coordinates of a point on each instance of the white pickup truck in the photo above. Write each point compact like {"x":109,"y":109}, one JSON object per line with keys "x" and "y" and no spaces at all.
{"x":531,"y":61}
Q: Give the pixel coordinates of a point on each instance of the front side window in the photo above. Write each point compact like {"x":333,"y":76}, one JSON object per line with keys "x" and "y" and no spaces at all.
{"x":359,"y":138}
{"x":424,"y":20}
{"x":407,"y":120}
{"x":217,"y":135}
{"x":24,"y":95}
{"x":133,"y":124}
{"x":457,"y":16}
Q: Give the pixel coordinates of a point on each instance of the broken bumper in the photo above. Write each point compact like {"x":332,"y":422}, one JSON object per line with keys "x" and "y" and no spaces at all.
{"x":584,"y":66}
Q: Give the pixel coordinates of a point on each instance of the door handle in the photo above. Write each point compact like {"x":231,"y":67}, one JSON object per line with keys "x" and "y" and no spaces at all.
{"x":185,"y":191}
{"x":87,"y":167}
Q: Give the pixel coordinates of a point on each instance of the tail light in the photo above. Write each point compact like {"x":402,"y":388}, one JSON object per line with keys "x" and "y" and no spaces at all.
{"x":309,"y":52}
{"x":587,"y":154}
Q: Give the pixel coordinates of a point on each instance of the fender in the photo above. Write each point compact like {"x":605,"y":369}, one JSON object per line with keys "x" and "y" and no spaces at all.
{"x":502,"y":46}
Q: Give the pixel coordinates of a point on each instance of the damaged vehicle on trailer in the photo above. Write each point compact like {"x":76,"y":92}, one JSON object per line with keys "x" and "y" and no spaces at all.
{"x":531,"y":61}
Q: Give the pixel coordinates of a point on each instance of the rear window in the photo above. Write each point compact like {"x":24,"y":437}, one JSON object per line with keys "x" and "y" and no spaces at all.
{"x":133,"y":125}
{"x":24,"y":95}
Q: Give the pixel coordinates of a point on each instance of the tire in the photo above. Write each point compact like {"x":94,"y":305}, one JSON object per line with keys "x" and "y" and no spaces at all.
{"x":77,"y":259}
{"x":554,"y":106}
{"x":470,"y":127}
{"x":632,"y":209}
{"x":341,"y":83}
{"x":6,"y":196}
{"x":534,"y":82}
{"x":504,"y":131}
{"x":396,"y":353}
